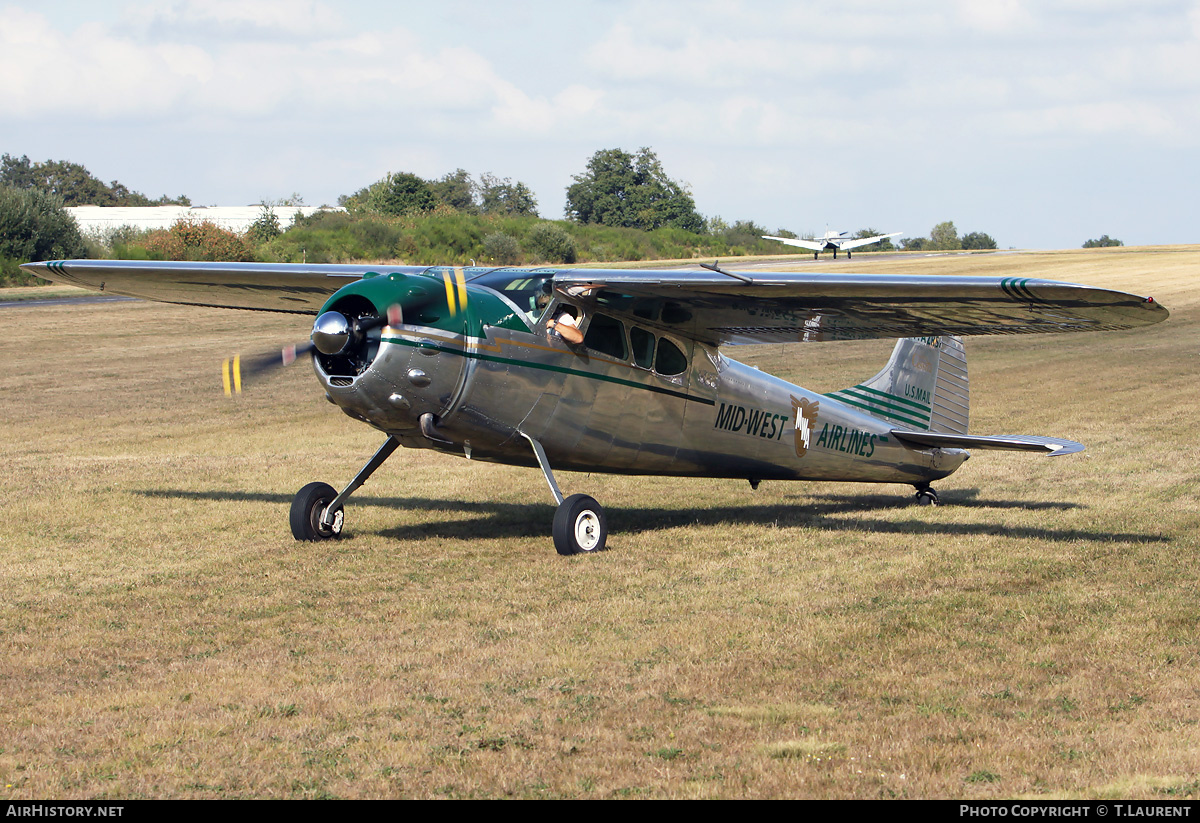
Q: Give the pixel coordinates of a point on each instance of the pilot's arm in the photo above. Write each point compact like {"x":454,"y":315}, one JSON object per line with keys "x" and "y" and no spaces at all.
{"x":566,"y":327}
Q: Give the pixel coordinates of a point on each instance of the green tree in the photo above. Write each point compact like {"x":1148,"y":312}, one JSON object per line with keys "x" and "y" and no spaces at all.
{"x":743,"y":233}
{"x":265,"y":227}
{"x":456,"y":190}
{"x":944,"y":237}
{"x":74,"y":184}
{"x":498,"y":196}
{"x":396,"y":194}
{"x":1104,"y":242}
{"x":34,"y":226}
{"x":549,"y":243}
{"x":978,"y":240}
{"x":633,"y":191}
{"x":501,"y":248}
{"x":914,"y":243}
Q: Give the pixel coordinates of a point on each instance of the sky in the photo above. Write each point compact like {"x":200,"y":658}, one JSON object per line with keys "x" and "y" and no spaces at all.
{"x":1043,"y":124}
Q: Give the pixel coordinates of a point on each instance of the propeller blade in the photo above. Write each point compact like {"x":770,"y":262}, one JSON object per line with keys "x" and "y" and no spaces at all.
{"x":234,"y":371}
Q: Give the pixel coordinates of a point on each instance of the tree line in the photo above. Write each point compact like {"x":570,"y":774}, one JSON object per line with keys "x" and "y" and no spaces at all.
{"x":944,"y":237}
{"x":622,"y":206}
{"x":74,"y":184}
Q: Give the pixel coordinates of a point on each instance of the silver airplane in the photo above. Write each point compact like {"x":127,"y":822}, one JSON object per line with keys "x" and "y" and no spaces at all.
{"x":832,"y":241}
{"x":626,"y":371}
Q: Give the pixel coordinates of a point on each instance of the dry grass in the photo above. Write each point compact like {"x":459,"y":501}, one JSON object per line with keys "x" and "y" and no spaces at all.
{"x":161,"y":635}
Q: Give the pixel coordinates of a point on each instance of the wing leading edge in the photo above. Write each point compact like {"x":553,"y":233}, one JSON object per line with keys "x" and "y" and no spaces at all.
{"x":756,"y":307}
{"x":811,"y":245}
{"x":281,"y":287}
{"x":711,"y":307}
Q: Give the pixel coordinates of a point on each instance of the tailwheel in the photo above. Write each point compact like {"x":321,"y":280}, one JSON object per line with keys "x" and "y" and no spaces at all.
{"x":926,"y":497}
{"x":308,"y":513}
{"x":579,"y":526}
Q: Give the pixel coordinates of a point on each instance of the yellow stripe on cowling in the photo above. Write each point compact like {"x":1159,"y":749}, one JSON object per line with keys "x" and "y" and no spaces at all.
{"x":237,"y":373}
{"x":462,"y":287}
{"x":449,"y":294}
{"x":225,"y":378}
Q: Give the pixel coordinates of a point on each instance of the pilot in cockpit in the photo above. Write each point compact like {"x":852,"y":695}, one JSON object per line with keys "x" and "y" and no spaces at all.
{"x":564,"y":324}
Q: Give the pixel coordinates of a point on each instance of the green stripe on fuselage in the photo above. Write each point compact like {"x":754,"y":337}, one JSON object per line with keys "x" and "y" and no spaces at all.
{"x":512,"y":361}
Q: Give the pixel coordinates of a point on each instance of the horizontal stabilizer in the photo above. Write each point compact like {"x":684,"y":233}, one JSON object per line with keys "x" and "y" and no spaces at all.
{"x":1052,"y":446}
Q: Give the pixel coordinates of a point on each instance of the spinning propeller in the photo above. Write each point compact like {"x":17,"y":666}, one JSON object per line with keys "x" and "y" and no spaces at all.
{"x":333,"y":334}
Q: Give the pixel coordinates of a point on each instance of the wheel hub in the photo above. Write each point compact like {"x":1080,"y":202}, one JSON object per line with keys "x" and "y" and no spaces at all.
{"x":587,"y":531}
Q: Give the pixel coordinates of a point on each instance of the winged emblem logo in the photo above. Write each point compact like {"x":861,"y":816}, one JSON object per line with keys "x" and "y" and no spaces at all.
{"x":805,"y":414}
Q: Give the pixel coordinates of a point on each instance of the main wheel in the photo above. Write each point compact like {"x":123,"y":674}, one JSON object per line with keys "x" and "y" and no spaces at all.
{"x":579,"y":525}
{"x":308,"y":506}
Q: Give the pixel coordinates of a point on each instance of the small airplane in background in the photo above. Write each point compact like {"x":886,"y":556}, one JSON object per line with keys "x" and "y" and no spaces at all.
{"x":627,"y":372}
{"x":833,"y":240}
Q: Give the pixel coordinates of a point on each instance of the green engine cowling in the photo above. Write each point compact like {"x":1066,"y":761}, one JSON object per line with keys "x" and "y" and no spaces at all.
{"x":390,"y":347}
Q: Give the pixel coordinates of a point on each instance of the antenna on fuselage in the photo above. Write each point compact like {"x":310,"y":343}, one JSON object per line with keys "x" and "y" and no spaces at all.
{"x":714,"y":266}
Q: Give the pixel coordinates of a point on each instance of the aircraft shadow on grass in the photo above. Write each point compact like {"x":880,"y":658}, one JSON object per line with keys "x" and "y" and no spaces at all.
{"x":824,"y":512}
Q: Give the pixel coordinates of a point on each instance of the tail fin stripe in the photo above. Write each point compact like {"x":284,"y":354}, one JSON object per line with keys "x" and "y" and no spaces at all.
{"x":874,"y":402}
{"x":891,"y":397}
{"x":900,"y":416}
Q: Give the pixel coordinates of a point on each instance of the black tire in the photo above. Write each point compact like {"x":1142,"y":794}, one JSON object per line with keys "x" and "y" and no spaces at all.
{"x":579,"y":526}
{"x":926,"y":497}
{"x":310,"y":502}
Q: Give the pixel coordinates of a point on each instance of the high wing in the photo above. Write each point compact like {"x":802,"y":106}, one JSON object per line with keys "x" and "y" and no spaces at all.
{"x":847,"y":245}
{"x":717,"y":308}
{"x":751,"y":307}
{"x":281,"y":287}
{"x":811,"y":245}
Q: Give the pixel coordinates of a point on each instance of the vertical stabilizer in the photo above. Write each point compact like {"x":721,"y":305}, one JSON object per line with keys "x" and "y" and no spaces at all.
{"x":923,"y":386}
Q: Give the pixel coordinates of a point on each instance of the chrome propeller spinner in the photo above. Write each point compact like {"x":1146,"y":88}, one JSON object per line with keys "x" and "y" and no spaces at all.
{"x":332,"y":333}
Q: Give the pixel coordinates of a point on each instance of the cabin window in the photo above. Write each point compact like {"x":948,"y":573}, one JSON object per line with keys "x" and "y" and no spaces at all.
{"x":606,"y":335}
{"x":670,"y":360}
{"x":643,"y":347}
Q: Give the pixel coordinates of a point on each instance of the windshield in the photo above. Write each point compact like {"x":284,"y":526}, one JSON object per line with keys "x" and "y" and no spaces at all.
{"x":528,"y":290}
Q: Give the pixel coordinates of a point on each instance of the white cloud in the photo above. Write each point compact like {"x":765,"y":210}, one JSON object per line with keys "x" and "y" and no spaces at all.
{"x":996,"y":15}
{"x":295,"y":18}
{"x":739,"y":97}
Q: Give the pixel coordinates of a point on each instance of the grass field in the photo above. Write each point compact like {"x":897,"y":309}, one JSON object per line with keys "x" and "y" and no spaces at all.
{"x":162,"y":635}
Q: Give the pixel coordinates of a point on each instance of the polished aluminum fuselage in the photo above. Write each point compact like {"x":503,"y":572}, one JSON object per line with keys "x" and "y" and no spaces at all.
{"x":592,"y":412}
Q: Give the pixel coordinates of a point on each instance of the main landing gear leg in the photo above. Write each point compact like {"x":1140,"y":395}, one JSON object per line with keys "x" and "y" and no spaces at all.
{"x":926,"y":496}
{"x":579,"y":523}
{"x":317,"y":510}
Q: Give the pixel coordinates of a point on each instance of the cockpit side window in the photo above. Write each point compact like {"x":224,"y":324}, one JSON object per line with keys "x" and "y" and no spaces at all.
{"x":643,"y":347}
{"x":606,"y":335}
{"x":670,"y":360}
